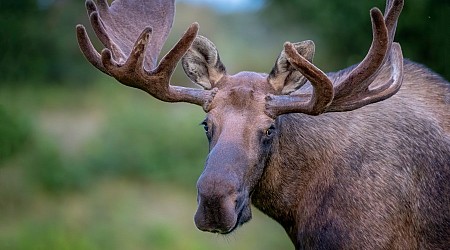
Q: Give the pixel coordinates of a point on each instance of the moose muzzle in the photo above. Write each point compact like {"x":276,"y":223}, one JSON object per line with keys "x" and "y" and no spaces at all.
{"x":216,"y":214}
{"x":223,"y":203}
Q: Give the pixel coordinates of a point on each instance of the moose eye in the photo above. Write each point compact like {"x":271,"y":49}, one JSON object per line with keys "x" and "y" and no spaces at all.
{"x":269,"y":131}
{"x":205,"y":126}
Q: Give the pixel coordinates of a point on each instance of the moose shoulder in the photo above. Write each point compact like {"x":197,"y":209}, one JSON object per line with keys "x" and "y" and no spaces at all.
{"x":376,"y":177}
{"x":357,"y":159}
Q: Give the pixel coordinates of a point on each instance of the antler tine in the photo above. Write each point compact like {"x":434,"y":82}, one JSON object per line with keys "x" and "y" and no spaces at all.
{"x":90,"y":7}
{"x":137,"y":55}
{"x":170,"y":60}
{"x":103,"y":5}
{"x":383,"y":36}
{"x":85,"y":43}
{"x":322,"y":89}
{"x":88,"y":49}
{"x":392,"y":13}
{"x":360,"y":77}
{"x":379,"y":93}
{"x":395,"y":82}
{"x":102,"y":35}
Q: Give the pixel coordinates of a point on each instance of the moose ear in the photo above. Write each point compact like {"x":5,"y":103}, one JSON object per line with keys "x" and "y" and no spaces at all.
{"x":202,"y":64}
{"x":284,"y":78}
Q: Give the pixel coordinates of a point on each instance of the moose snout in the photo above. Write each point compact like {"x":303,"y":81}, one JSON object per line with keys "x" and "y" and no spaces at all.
{"x":216,"y":216}
{"x":218,"y":205}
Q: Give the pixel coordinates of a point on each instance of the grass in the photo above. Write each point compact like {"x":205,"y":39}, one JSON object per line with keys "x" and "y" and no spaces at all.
{"x":122,"y":214}
{"x":108,"y":167}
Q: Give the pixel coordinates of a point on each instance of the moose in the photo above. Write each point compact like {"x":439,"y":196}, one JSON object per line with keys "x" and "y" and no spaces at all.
{"x":355,"y":159}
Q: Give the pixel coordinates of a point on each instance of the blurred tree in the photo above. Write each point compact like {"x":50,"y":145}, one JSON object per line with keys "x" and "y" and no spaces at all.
{"x":38,"y":44}
{"x":343,"y":27}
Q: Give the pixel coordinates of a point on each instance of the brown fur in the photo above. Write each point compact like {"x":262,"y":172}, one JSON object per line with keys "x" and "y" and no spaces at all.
{"x":376,"y":177}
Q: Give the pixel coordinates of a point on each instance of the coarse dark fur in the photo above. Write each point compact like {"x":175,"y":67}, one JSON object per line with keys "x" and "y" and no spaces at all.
{"x":377,"y":177}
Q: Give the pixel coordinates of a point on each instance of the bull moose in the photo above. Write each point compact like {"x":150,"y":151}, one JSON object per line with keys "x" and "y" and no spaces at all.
{"x":356,"y":159}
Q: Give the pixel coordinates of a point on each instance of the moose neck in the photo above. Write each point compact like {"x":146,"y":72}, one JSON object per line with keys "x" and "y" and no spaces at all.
{"x":299,"y":173}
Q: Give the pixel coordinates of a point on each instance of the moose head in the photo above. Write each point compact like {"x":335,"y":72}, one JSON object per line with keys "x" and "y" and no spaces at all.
{"x":242,"y":109}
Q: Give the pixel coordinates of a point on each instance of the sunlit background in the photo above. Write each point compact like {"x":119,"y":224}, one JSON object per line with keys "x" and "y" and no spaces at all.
{"x":86,"y":163}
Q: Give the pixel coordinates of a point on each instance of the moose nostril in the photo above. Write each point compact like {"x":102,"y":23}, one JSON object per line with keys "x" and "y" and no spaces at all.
{"x":237,"y":203}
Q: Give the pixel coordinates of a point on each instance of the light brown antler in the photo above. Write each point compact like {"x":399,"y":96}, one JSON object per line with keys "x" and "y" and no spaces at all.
{"x":133,"y":32}
{"x":352,"y":91}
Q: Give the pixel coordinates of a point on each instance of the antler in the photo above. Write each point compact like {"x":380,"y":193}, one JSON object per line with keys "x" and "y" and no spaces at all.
{"x":353,"y":91}
{"x":133,"y":32}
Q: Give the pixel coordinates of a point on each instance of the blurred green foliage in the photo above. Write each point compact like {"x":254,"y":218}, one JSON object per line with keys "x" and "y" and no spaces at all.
{"x":170,"y":148}
{"x":343,"y":29}
{"x":38,"y":37}
{"x":66,"y":151}
{"x":109,"y":168}
{"x":14,"y":133}
{"x":38,"y":44}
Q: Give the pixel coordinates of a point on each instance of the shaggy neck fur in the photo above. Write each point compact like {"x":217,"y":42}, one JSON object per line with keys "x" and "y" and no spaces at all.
{"x":329,"y":176}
